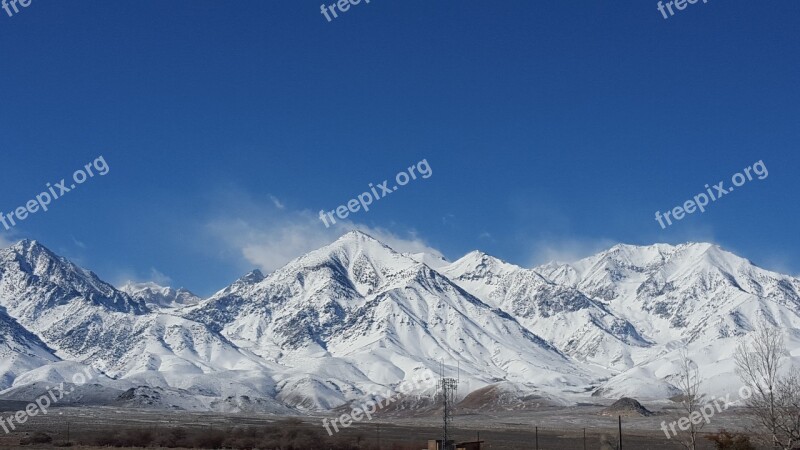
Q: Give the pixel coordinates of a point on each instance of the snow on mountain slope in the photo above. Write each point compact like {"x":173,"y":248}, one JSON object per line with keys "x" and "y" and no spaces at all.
{"x":692,"y":294}
{"x":94,"y":386}
{"x":579,"y":326}
{"x":479,"y":273}
{"x":689,"y":291}
{"x":20,"y":350}
{"x":69,"y":308}
{"x":356,"y":318}
{"x":156,"y":296}
{"x":378,"y":317}
{"x":431,"y":260}
{"x":33,"y":281}
{"x":84,"y":319}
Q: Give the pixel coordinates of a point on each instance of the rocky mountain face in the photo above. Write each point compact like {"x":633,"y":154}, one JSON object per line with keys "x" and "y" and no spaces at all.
{"x":84,"y":319}
{"x":355,"y":318}
{"x":376,"y":317}
{"x":578,"y":325}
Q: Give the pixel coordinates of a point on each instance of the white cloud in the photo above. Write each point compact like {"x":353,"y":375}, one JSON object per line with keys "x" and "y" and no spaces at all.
{"x":131,"y":276}
{"x":159,"y":278}
{"x":78,"y":243}
{"x":410,"y":243}
{"x":567,"y":250}
{"x":268,"y":235}
{"x":277,"y":202}
{"x":269,"y":242}
{"x":7,"y":239}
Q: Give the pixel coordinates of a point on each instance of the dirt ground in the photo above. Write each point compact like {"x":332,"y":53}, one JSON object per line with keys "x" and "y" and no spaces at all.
{"x":558,"y":428}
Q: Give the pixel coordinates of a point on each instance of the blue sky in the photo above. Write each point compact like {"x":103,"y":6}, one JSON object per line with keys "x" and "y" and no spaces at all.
{"x":553,"y":129}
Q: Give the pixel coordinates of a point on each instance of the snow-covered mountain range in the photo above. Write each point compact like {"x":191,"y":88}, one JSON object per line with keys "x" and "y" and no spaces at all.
{"x":356,"y":318}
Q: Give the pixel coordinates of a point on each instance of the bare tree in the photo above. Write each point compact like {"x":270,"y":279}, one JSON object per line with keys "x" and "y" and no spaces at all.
{"x":757,"y":364}
{"x":691,"y":400}
{"x":788,"y":410}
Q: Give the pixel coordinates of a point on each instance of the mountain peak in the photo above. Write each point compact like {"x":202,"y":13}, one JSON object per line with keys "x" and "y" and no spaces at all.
{"x":476,"y":254}
{"x":659,"y":253}
{"x":30,"y":265}
{"x":348,"y":246}
{"x":254,"y":276}
{"x":660,"y":247}
{"x":28,"y":246}
{"x":356,"y":236}
{"x":477,"y":258}
{"x":644,"y":255}
{"x":35,"y":254}
{"x":477,"y":265}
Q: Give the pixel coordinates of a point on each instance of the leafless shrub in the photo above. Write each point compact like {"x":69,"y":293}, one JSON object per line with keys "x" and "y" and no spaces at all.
{"x":758,"y":364}
{"x":690,"y":398}
{"x":125,"y":438}
{"x":209,"y":439}
{"x":283,"y":435}
{"x":36,"y":438}
{"x":173,"y":438}
{"x":787,"y":410}
{"x":724,"y":440}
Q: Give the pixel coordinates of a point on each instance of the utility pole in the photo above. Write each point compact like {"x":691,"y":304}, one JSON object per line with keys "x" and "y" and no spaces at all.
{"x":448,"y":387}
{"x":620,"y":432}
{"x":537,"y":438}
{"x":584,"y":439}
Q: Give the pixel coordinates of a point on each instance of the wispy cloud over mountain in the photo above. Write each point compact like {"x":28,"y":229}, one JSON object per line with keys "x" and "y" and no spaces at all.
{"x":268,"y":234}
{"x":566,"y":250}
